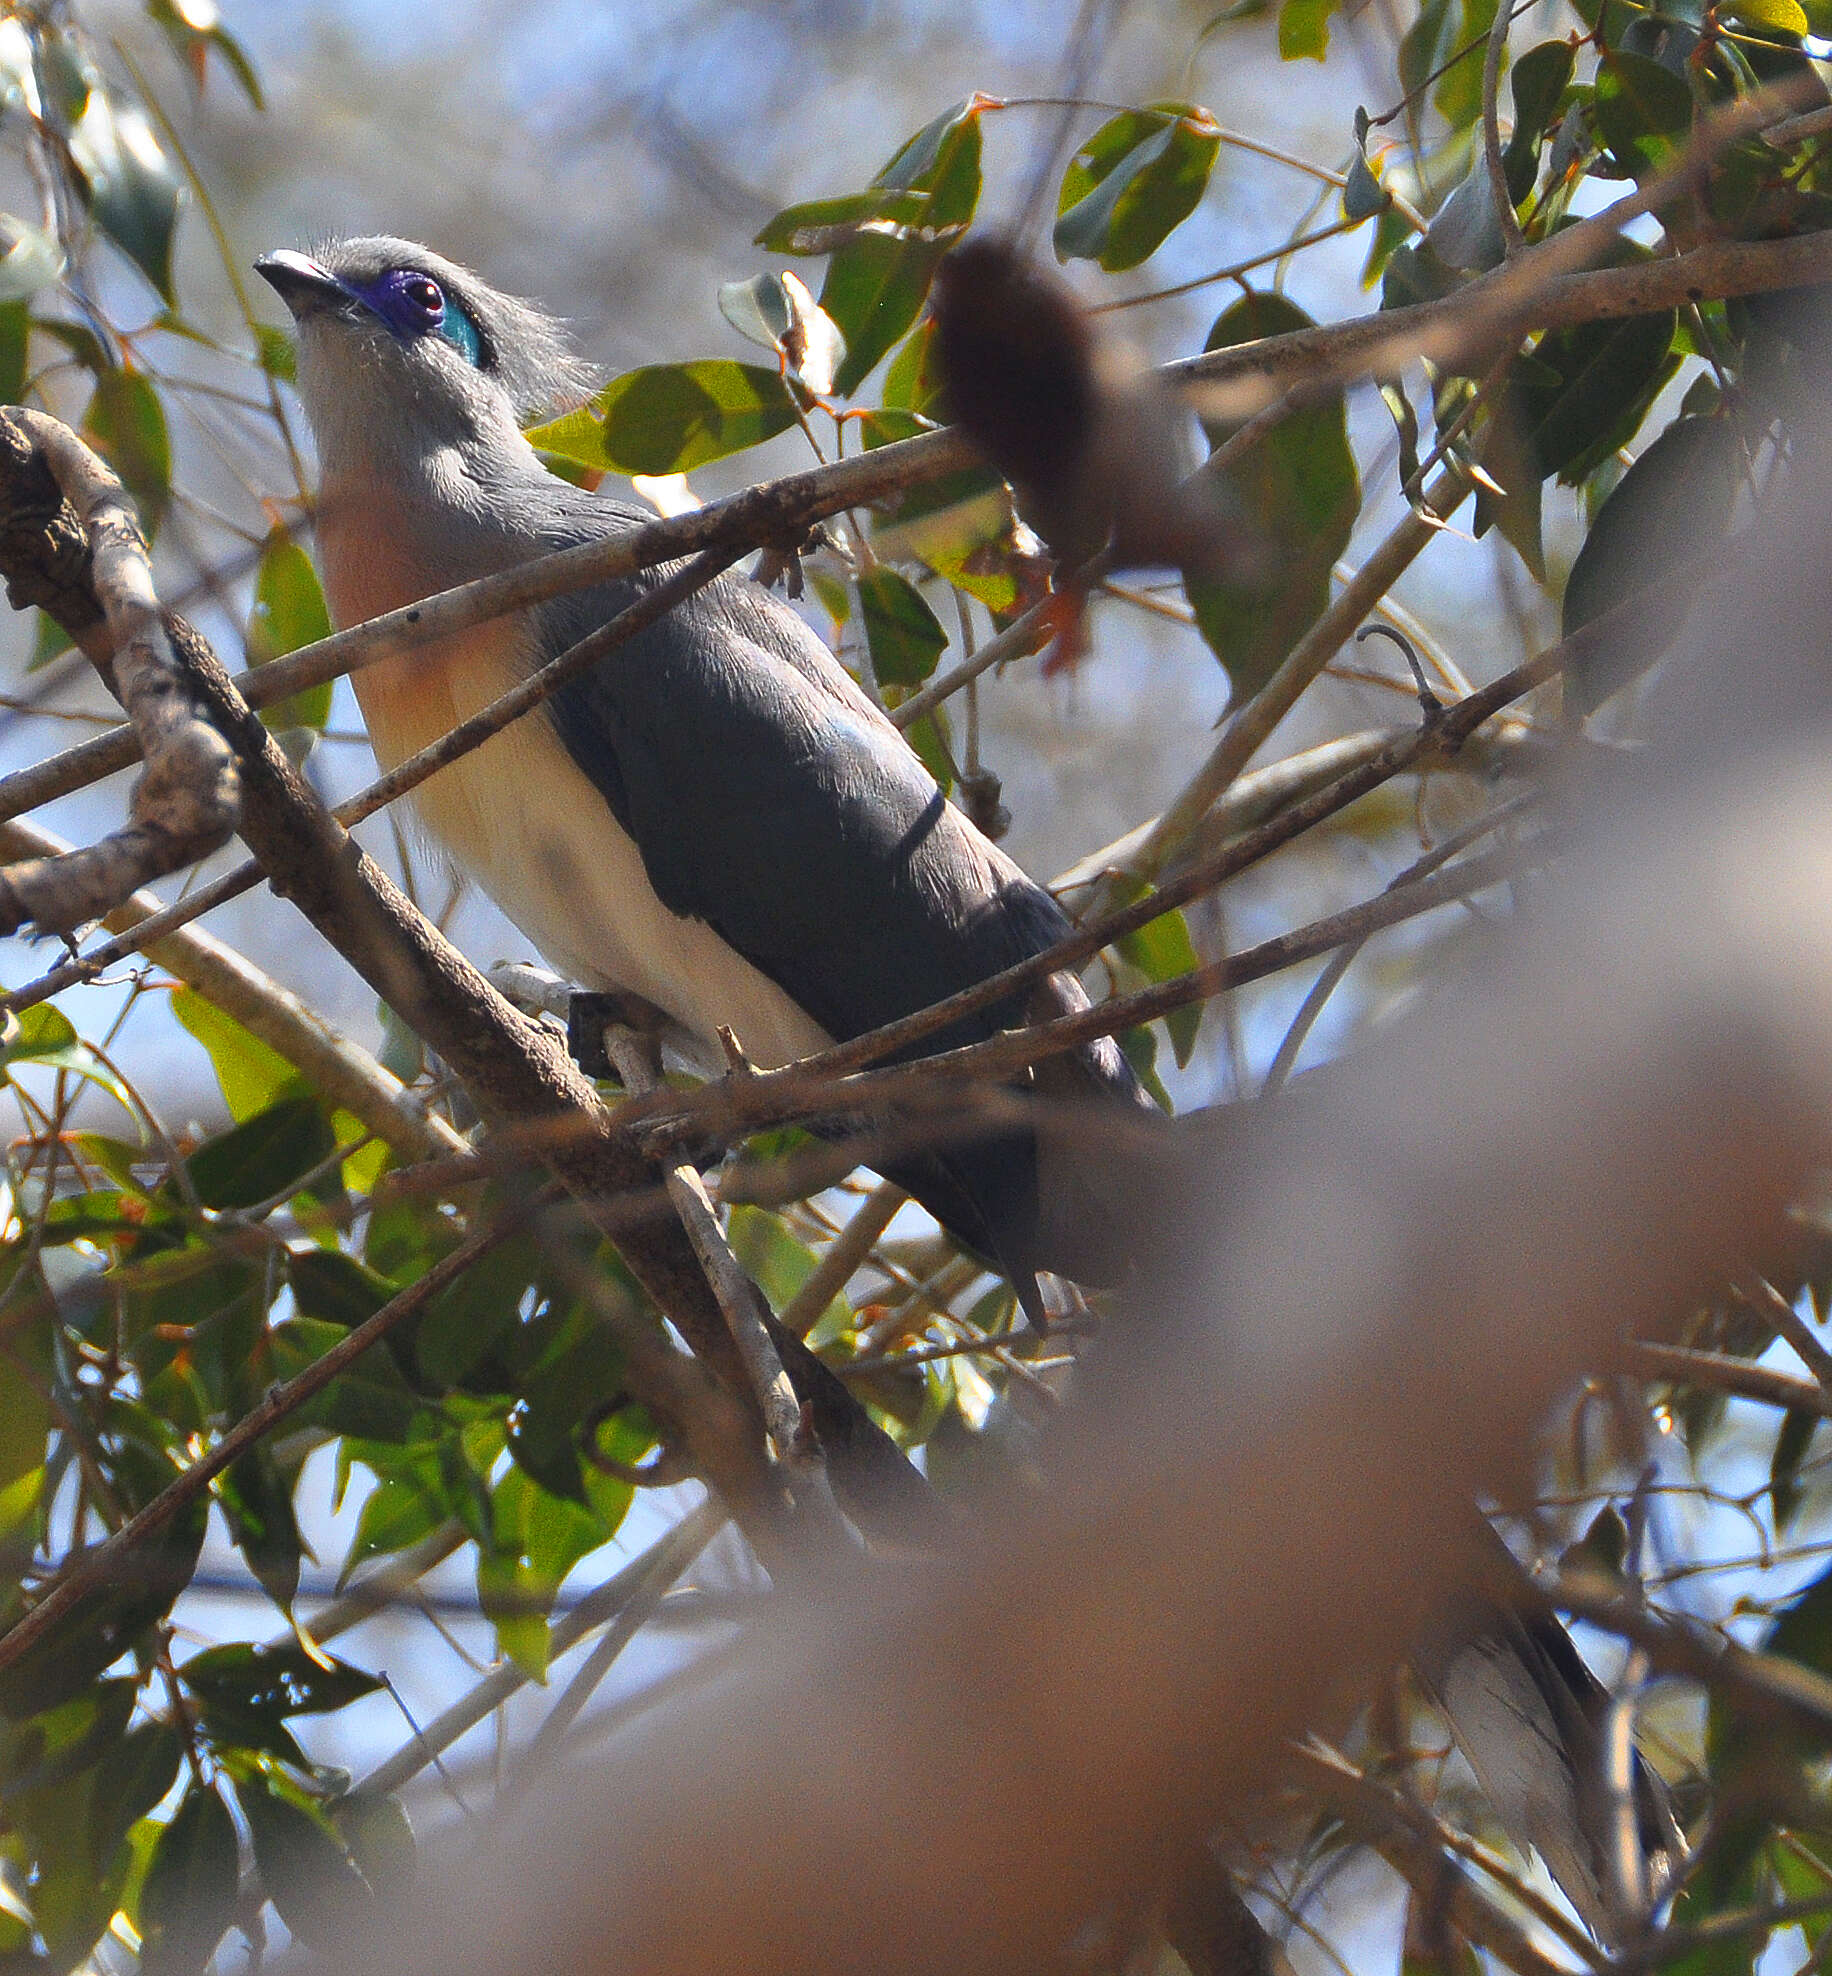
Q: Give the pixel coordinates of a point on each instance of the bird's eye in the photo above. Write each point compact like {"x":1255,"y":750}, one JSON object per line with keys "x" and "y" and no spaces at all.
{"x":424,"y":294}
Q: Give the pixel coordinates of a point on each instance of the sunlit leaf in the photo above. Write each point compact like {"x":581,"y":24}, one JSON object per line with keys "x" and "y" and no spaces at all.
{"x":289,"y":611}
{"x":130,"y":184}
{"x":1297,"y":487}
{"x":1136,"y":179}
{"x":670,"y":418}
{"x":250,"y":1073}
{"x":876,"y":283}
{"x":1304,"y":29}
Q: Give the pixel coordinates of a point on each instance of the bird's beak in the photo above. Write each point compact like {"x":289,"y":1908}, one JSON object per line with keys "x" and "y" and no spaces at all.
{"x":301,"y":283}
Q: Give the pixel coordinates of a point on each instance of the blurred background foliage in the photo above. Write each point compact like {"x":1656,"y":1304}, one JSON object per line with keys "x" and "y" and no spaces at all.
{"x":741,"y":207}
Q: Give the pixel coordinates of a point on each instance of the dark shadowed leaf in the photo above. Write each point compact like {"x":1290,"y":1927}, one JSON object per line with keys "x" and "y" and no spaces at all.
{"x":1539,"y":81}
{"x":1659,"y":533}
{"x":1161,"y":950}
{"x":1136,"y":179}
{"x":904,"y":636}
{"x":130,"y":1780}
{"x":1643,"y":112}
{"x":261,"y":1157}
{"x":1297,"y":487}
{"x":188,"y":1899}
{"x":275,"y":1680}
{"x":1587,"y":389}
{"x":303,"y":1864}
{"x":256,"y":1497}
{"x":670,"y":418}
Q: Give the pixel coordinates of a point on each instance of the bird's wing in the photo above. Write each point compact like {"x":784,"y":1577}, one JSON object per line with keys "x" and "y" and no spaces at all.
{"x":770,"y":799}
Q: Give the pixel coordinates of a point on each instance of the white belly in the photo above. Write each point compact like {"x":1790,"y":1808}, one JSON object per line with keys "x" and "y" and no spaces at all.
{"x":518,"y":817}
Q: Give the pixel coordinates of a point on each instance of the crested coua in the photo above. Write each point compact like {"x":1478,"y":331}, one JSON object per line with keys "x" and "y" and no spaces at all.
{"x":715,"y":818}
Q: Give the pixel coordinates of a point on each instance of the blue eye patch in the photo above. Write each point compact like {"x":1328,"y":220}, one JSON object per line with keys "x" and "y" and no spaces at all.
{"x":413,"y":304}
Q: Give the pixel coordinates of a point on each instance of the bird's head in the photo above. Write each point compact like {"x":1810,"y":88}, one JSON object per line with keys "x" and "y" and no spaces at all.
{"x":401,"y":349}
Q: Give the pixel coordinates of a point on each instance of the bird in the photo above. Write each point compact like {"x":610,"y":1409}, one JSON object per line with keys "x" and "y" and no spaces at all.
{"x":715,"y":819}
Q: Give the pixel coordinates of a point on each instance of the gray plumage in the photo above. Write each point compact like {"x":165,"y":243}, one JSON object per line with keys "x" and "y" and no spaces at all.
{"x":796,"y":871}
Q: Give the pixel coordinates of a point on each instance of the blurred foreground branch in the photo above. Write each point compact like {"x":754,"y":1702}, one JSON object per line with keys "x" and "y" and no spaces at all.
{"x":1380,"y":1285}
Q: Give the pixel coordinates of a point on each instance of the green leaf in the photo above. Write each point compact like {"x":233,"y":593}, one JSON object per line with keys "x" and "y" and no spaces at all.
{"x":1770,"y":16}
{"x":1136,"y":179}
{"x":289,"y":611}
{"x":66,"y":1740}
{"x":276,"y":353}
{"x":1162,"y":950}
{"x":821,"y":225}
{"x":107,"y":1620}
{"x":256,"y":1498}
{"x":251,"y":1074}
{"x":308,"y":1874}
{"x":777,"y":1261}
{"x":399,"y":1511}
{"x":1587,"y":389}
{"x":281,"y":1681}
{"x":930,"y":741}
{"x":189,"y":1897}
{"x":1304,"y":29}
{"x":876,"y":283}
{"x":1428,"y":44}
{"x":263,"y":1156}
{"x":1791,"y":1444}
{"x":1458,"y":95}
{"x":1803,"y":1629}
{"x":1297,"y":487}
{"x":552,"y":1534}
{"x":126,"y":422}
{"x":1657,"y":536}
{"x":1539,"y":81}
{"x":515,"y":1597}
{"x":130,"y":185}
{"x":371,"y":1400}
{"x":465,"y":1321}
{"x":903,"y":635}
{"x":136,"y":1773}
{"x":1643,"y":112}
{"x":670,"y":418}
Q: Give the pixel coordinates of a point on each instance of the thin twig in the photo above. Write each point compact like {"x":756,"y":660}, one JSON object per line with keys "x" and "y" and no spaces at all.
{"x":596,"y":1609}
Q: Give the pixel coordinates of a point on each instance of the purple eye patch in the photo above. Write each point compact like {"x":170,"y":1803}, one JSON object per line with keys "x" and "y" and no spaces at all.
{"x":413,"y":304}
